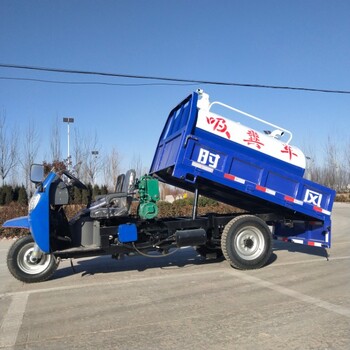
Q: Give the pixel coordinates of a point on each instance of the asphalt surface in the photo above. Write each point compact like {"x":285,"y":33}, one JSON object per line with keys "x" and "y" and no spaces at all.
{"x":298,"y":301}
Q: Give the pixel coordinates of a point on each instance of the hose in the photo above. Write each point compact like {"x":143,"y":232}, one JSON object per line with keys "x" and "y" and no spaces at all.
{"x":153,"y":256}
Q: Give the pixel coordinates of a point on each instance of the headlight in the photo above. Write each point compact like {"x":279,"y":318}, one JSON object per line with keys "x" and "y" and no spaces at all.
{"x":33,"y":202}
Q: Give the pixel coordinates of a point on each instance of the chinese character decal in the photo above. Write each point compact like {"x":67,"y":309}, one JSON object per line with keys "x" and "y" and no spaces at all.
{"x":208,"y":158}
{"x":254,"y":139}
{"x":313,"y":197}
{"x":288,"y":149}
{"x":219,"y":124}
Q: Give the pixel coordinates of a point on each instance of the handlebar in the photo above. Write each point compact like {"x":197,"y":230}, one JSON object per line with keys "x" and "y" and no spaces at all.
{"x":253,"y":117}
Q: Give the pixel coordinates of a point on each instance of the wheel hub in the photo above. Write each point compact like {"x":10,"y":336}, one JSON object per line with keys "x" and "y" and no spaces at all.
{"x":249,"y":243}
{"x":32,"y":259}
{"x":29,"y":263}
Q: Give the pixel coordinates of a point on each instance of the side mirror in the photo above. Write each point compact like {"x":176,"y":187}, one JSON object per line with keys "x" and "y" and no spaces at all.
{"x":36,"y":173}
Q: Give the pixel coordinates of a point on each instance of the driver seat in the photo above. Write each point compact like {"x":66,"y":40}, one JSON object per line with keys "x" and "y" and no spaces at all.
{"x":118,"y":203}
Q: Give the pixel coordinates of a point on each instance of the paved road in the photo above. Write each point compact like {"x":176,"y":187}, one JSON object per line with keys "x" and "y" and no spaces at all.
{"x":299,"y":301}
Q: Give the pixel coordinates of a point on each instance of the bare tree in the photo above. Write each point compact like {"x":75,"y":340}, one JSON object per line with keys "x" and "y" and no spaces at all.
{"x":93,"y":161}
{"x":15,"y":177}
{"x":314,"y":169}
{"x":8,"y":148}
{"x":29,"y":152}
{"x":137,"y":164}
{"x":347,"y":154}
{"x":344,"y":167}
{"x":332,"y":170}
{"x":311,"y":161}
{"x":55,"y":141}
{"x":80,"y":153}
{"x":111,"y":169}
{"x":86,"y":152}
{"x":347,"y":163}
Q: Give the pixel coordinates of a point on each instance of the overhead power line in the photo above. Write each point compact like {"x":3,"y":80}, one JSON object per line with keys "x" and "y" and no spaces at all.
{"x":93,"y":82}
{"x":167,"y":79}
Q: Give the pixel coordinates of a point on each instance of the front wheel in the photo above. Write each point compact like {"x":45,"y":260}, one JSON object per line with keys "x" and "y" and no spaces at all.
{"x":24,"y":267}
{"x":246,"y":242}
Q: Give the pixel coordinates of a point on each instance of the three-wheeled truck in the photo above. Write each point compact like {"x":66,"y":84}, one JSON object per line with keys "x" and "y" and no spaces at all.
{"x":199,"y":151}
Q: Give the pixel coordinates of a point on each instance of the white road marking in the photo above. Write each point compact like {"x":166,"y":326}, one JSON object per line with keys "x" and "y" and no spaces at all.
{"x":341,"y":310}
{"x":13,"y":320}
{"x":117,"y":282}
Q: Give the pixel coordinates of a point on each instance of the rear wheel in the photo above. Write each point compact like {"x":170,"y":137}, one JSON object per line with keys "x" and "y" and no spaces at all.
{"x":246,"y":242}
{"x":24,"y":267}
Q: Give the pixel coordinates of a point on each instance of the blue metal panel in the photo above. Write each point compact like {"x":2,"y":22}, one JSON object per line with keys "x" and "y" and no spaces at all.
{"x":282,"y":183}
{"x":310,"y":233}
{"x":39,"y":217}
{"x":20,"y":222}
{"x":179,"y":124}
{"x":245,"y":169}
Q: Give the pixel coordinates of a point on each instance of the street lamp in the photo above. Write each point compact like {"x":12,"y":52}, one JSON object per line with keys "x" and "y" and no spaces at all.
{"x":68,"y":121}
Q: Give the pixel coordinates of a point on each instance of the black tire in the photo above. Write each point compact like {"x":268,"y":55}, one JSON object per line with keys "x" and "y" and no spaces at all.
{"x":246,"y":242}
{"x":26,"y":270}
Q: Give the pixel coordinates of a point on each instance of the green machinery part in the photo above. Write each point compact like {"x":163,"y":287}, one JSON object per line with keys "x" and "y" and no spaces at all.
{"x":149,"y":195}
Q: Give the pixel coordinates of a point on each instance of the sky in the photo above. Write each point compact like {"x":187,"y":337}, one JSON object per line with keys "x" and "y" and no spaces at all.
{"x":298,"y":43}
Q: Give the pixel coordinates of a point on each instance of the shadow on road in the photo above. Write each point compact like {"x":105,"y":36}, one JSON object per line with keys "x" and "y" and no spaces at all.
{"x":299,"y":248}
{"x":182,"y":259}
